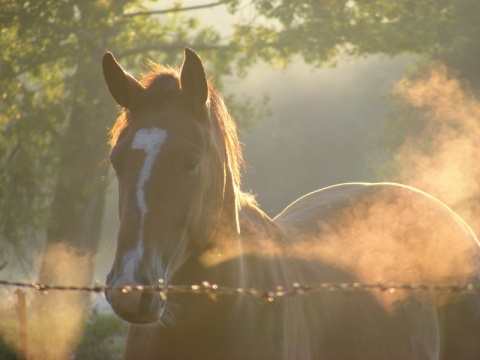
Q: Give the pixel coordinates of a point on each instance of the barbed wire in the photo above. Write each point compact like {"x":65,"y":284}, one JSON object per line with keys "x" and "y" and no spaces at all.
{"x":294,"y":289}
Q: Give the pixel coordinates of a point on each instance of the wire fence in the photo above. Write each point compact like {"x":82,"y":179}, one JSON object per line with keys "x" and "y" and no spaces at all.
{"x":295,"y":289}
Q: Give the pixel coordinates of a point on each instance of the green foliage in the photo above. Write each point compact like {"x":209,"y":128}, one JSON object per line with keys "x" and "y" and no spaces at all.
{"x":54,"y":106}
{"x":6,"y":352}
{"x":247,"y":111}
{"x":104,"y":338}
{"x":32,"y":112}
{"x":320,"y":31}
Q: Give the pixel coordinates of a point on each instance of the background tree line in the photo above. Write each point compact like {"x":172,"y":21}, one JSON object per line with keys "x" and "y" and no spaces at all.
{"x":55,"y":110}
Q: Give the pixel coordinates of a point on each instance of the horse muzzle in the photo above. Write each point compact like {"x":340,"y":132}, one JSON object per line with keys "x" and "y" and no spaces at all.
{"x":130,"y":302}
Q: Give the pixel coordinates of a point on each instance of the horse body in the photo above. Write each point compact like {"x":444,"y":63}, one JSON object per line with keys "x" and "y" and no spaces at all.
{"x":184,"y":220}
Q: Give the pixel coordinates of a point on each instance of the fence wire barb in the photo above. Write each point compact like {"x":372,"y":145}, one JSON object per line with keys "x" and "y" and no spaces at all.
{"x":295,"y":289}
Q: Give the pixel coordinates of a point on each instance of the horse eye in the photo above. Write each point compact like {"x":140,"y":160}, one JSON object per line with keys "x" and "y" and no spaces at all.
{"x":191,"y":166}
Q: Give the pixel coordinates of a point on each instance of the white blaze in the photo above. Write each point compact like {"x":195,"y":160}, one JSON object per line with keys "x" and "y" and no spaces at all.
{"x":150,"y":141}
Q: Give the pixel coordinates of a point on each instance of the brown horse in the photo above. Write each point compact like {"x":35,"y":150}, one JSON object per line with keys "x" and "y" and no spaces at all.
{"x":184,"y":220}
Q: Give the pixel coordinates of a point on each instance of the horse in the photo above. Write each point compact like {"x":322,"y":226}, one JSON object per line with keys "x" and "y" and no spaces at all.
{"x":185,"y":220}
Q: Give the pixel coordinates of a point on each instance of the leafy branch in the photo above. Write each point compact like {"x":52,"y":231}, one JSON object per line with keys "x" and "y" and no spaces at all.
{"x":177,"y":9}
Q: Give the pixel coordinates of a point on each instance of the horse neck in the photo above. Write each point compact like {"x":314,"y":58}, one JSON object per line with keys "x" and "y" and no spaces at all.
{"x":256,"y":253}
{"x":256,"y":227}
{"x":254,"y":257}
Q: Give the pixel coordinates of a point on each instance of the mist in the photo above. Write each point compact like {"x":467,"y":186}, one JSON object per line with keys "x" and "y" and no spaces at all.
{"x":55,"y":320}
{"x":323,"y":129}
{"x":441,"y":158}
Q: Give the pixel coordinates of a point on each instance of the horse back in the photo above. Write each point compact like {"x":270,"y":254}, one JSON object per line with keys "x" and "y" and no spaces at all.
{"x":392,"y":233}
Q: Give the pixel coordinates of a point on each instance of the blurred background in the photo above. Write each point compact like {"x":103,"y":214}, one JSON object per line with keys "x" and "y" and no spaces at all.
{"x":324,"y":92}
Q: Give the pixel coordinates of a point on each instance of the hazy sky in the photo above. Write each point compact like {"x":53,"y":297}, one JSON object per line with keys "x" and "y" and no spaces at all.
{"x":323,"y":129}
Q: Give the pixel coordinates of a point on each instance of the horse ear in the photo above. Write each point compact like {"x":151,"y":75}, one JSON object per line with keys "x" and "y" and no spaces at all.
{"x":193,"y":80}
{"x":123,"y":86}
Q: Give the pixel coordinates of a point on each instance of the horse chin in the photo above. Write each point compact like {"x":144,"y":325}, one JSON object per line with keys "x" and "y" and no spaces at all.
{"x":150,"y":309}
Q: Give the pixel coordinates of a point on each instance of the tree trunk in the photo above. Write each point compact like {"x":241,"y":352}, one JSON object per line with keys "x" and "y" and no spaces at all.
{"x":76,"y":216}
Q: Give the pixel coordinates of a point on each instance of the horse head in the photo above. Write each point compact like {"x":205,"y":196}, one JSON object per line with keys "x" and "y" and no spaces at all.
{"x":176,"y":176}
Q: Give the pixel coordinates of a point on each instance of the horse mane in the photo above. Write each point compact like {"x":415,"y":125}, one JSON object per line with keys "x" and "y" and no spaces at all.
{"x":163,"y":82}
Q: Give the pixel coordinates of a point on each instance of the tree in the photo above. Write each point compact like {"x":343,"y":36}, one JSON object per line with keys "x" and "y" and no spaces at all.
{"x":55,"y":110}
{"x":53,"y":131}
{"x":324,"y":31}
